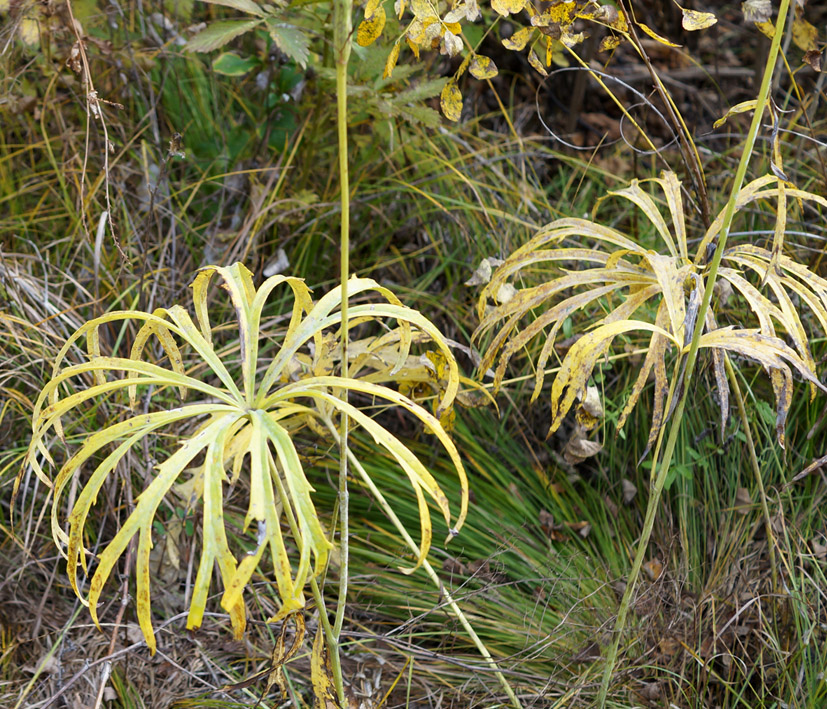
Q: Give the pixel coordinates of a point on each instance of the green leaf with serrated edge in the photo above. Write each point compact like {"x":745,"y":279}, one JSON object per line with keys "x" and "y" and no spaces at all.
{"x":217,"y":34}
{"x":230,"y":64}
{"x":422,"y":91}
{"x":247,"y":6}
{"x":290,"y":40}
{"x":420,"y":114}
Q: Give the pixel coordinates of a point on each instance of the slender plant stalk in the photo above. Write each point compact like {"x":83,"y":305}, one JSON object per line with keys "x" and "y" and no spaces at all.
{"x":756,"y":469}
{"x":452,"y":604}
{"x":691,"y":357}
{"x":342,"y":31}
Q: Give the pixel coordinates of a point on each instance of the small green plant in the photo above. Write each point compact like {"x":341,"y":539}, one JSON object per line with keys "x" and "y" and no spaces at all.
{"x":241,"y":410}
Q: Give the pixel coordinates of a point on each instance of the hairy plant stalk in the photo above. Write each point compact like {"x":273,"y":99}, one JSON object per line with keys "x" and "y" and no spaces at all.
{"x":452,"y":604}
{"x":342,"y":31}
{"x":692,"y":356}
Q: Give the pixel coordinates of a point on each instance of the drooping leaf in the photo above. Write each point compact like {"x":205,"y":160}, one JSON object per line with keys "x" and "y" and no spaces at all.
{"x":391,"y":61}
{"x":248,"y":6}
{"x":217,"y":34}
{"x":536,"y":63}
{"x":658,"y":38}
{"x":742,"y":107}
{"x":805,"y":35}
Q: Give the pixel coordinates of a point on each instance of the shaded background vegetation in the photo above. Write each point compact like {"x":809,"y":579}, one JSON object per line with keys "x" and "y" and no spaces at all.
{"x":541,"y":563}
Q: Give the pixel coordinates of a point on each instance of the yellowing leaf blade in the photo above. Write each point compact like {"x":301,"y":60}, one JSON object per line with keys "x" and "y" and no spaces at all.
{"x":370,"y":29}
{"x":450,"y":100}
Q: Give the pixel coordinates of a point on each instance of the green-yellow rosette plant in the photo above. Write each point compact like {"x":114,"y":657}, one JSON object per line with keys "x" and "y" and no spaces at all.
{"x":240,"y":407}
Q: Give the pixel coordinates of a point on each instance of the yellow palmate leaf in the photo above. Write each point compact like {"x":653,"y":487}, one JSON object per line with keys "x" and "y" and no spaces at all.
{"x":694,"y":20}
{"x":370,"y":30}
{"x":450,"y":100}
{"x":482,"y":67}
{"x":658,"y":38}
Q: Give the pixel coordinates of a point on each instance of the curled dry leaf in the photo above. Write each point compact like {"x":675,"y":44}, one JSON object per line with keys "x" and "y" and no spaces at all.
{"x":813,"y":58}
{"x":579,"y":447}
{"x":757,"y":10}
{"x":590,"y":409}
{"x":653,"y":569}
{"x":743,"y":501}
{"x":483,"y":273}
{"x":629,"y":491}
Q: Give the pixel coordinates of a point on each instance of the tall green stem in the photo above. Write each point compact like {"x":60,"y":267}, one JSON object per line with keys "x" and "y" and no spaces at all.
{"x":691,"y":356}
{"x":342,"y":31}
